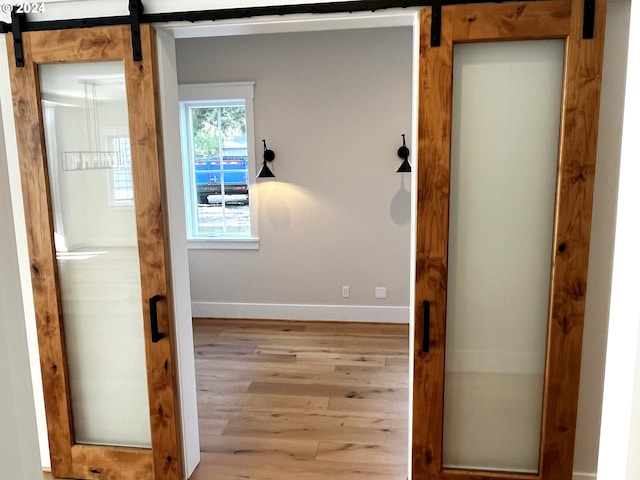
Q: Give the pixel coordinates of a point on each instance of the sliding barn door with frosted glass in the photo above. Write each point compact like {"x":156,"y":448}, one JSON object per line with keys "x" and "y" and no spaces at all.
{"x":508,"y":116}
{"x":87,"y":124}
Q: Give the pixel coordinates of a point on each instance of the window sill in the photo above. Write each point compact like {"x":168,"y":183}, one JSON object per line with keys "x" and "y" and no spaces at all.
{"x":224,"y":244}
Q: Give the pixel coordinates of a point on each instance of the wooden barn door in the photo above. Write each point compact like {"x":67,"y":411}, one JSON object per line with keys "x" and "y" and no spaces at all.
{"x":508,"y":117}
{"x":87,"y":122}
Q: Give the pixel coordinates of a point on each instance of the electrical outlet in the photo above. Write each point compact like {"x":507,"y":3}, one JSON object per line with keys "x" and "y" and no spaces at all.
{"x":381,"y":292}
{"x":345,"y":291}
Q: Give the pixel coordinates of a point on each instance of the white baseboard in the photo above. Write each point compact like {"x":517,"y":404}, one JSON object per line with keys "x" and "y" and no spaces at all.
{"x":334,"y":313}
{"x":584,"y":476}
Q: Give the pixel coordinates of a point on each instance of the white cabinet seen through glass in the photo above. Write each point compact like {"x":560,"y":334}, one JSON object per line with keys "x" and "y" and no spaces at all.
{"x":218,"y":164}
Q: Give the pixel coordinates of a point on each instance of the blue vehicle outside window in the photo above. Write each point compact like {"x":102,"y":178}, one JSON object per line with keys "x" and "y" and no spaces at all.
{"x":229,"y":175}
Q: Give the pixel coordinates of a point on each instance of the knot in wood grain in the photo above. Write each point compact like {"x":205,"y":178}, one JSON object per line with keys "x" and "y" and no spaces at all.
{"x":49,"y":326}
{"x":578,"y":289}
{"x":35,"y":269}
{"x":581,"y":173}
{"x":565,"y":324}
{"x":429,"y":456}
{"x":579,"y":177}
{"x":95,"y":42}
{"x":21,"y":106}
{"x":518,"y":11}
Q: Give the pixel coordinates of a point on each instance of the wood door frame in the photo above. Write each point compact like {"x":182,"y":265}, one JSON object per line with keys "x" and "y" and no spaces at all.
{"x":68,"y":459}
{"x":575,"y":179}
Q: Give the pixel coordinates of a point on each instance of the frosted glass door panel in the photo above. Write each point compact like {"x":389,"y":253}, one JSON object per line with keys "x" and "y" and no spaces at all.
{"x":89,"y":161}
{"x":506,"y":115}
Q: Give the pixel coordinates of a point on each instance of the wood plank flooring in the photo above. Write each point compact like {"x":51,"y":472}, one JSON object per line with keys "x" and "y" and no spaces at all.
{"x":301,"y":400}
{"x":282,"y":400}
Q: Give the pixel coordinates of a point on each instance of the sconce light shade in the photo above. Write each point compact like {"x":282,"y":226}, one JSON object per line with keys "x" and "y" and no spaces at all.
{"x":265,"y":172}
{"x":267,"y":156}
{"x":403,"y":152}
{"x":404,"y":167}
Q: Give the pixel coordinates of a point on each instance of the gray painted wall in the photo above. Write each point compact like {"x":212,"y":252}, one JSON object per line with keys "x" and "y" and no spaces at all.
{"x":332,"y":105}
{"x":602,"y":239}
{"x":19,"y":450}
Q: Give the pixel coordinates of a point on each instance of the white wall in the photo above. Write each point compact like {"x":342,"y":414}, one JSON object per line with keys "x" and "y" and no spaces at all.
{"x":633,"y":460}
{"x":17,"y":250}
{"x":602,"y":239}
{"x":337,"y":213}
{"x":19,"y":451}
{"x":620,"y":436}
{"x":179,"y":259}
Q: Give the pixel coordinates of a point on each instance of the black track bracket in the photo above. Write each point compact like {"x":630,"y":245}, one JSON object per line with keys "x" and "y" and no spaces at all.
{"x":589,"y":18}
{"x":18,"y":25}
{"x":436,"y":22}
{"x":136,"y":9}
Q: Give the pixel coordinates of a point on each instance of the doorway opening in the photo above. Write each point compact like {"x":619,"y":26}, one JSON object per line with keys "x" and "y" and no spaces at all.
{"x":337,"y":215}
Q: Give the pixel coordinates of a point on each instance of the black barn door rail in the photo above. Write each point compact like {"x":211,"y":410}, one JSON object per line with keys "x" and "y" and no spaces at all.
{"x":19,"y":23}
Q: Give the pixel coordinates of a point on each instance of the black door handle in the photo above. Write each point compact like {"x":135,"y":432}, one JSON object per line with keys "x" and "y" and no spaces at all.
{"x":426,"y":324}
{"x":156,"y":336}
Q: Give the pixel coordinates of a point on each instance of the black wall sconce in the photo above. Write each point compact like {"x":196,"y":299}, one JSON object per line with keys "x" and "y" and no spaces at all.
{"x":403,"y":152}
{"x":267,"y":156}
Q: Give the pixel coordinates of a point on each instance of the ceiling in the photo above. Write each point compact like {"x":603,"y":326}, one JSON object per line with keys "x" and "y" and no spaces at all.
{"x":64,"y":82}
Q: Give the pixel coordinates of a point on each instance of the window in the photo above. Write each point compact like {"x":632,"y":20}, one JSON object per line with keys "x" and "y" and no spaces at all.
{"x":218,"y":165}
{"x":121,"y":179}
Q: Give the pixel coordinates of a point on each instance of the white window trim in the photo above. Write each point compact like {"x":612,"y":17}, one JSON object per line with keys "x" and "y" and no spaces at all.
{"x":203,"y":92}
{"x":224,"y":244}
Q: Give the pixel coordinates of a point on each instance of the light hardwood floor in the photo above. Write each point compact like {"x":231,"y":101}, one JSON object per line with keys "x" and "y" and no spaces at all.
{"x":285,"y":400}
{"x":301,"y":400}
